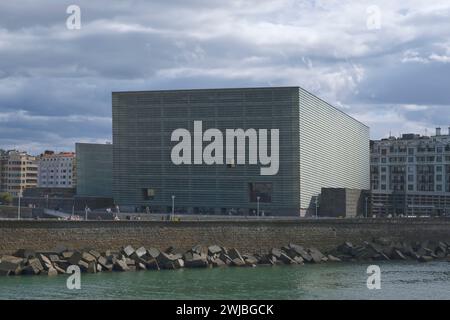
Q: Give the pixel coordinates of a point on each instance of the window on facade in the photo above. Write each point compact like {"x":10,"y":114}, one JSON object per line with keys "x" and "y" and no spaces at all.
{"x":438,"y":187}
{"x":260,"y":189}
{"x":383,"y":160}
{"x":148,"y":193}
{"x":439,"y":177}
{"x":230,"y":163}
{"x":438,"y":169}
{"x":410,"y":187}
{"x":383,"y":187}
{"x":410,"y":177}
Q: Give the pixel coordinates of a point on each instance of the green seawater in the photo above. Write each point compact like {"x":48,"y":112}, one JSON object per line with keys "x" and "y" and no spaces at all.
{"x":405,"y":280}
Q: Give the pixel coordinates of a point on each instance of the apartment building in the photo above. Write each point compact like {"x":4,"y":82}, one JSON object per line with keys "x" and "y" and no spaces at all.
{"x":410,"y":175}
{"x":18,"y":171}
{"x":57,"y":170}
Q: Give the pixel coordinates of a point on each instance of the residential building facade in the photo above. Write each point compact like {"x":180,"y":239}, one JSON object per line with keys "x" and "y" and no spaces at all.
{"x":319,"y":146}
{"x":57,"y":170}
{"x":410,"y":175}
{"x":18,"y":171}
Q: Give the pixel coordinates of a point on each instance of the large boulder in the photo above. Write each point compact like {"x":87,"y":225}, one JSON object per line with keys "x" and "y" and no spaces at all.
{"x":214,"y":250}
{"x":86,"y":256}
{"x":35,"y":266}
{"x":196,"y":263}
{"x":105,"y":264}
{"x":83,"y":265}
{"x":426,"y":259}
{"x":226,"y":258}
{"x":250,"y":260}
{"x":10,"y":268}
{"x":120,"y":265}
{"x":92,"y":267}
{"x":95,"y":253}
{"x":332,"y":258}
{"x":153,"y":252}
{"x":345,"y":248}
{"x":46,"y":262}
{"x":217,"y":262}
{"x":13,"y":259}
{"x":235,"y":254}
{"x":276,"y":252}
{"x":298,"y":251}
{"x":59,"y":269}
{"x":140,"y":252}
{"x":440,"y":251}
{"x":152,"y":264}
{"x":316,"y":255}
{"x":238,"y":262}
{"x":127,"y":251}
{"x":286,"y":259}
{"x":24,"y":253}
{"x":67,"y":255}
{"x":52,"y":272}
{"x":179,"y":263}
{"x":199,"y":249}
{"x":364,"y":252}
{"x":167,"y":261}
{"x":396,"y":254}
{"x":74,"y":258}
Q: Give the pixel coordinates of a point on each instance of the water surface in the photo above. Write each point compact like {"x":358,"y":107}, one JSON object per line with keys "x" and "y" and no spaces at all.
{"x":399,"y":280}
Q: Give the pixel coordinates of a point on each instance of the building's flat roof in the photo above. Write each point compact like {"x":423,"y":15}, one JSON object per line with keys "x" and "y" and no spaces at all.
{"x":240,"y":88}
{"x":207,"y":89}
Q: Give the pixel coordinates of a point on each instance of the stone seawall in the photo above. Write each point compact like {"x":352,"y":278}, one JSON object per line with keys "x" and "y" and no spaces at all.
{"x":10,"y":212}
{"x":247,"y":236}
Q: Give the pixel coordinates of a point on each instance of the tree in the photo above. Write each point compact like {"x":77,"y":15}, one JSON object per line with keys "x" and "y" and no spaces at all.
{"x":6,"y":198}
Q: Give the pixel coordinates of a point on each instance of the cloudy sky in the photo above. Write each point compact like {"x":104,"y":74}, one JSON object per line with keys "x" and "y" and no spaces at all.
{"x":385,"y":62}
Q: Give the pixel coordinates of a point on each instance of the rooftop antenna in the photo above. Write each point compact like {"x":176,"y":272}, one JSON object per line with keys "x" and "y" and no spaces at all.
{"x":426,"y":132}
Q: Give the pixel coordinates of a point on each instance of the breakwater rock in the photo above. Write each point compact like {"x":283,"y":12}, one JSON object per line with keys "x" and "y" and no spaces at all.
{"x":27,"y":262}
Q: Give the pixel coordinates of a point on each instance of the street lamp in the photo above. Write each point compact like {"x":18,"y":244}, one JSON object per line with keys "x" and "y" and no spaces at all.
{"x":257,"y":205}
{"x":317,"y":206}
{"x":367,"y":198}
{"x":173,"y":206}
{"x":18,"y":207}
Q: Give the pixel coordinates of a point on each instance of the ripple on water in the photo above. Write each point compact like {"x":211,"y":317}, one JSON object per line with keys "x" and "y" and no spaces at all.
{"x":403,"y":280}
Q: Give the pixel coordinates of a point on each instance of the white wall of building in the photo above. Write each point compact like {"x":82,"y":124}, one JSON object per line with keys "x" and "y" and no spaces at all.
{"x":56,"y":171}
